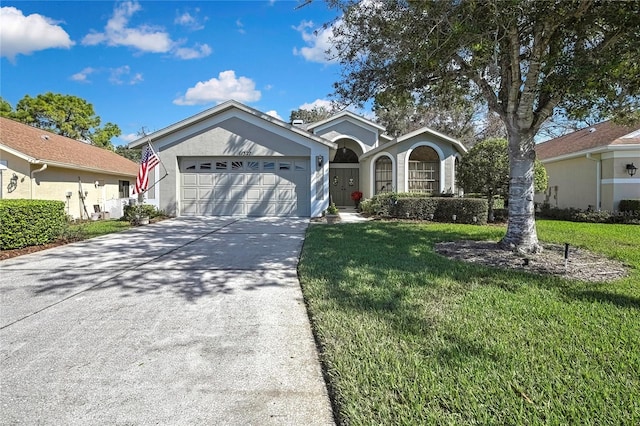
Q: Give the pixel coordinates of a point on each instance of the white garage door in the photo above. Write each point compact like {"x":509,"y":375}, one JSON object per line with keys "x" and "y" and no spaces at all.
{"x":245,"y":186}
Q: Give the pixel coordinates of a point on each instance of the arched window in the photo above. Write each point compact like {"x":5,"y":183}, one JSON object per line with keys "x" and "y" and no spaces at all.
{"x":345,"y":155}
{"x":384,"y":175}
{"x":424,"y":170}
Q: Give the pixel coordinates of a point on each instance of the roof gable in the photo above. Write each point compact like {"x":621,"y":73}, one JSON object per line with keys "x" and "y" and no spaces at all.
{"x":224,"y":111}
{"x":591,"y":138}
{"x":347,"y":116}
{"x":41,"y":146}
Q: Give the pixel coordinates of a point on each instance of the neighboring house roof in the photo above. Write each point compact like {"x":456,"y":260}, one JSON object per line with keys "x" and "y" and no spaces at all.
{"x":601,"y":137}
{"x":228,"y":105}
{"x":43,"y":147}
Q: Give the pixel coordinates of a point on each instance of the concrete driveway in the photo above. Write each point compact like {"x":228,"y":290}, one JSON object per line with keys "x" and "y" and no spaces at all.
{"x":187,"y":321}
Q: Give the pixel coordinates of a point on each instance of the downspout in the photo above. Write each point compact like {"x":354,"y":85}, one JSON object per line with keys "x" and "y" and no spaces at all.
{"x":41,"y":169}
{"x":598,"y":179}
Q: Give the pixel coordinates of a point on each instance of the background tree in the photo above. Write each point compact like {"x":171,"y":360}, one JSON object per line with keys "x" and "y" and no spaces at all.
{"x":132,"y":154}
{"x":525,"y":59}
{"x":5,"y":108}
{"x":484,"y":169}
{"x":463,"y":119}
{"x":317,"y":113}
{"x":65,"y":115}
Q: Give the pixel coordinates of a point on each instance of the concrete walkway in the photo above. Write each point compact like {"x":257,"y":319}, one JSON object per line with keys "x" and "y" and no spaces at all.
{"x":187,"y":321}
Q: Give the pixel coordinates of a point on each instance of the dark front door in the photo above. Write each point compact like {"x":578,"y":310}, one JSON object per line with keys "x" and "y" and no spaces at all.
{"x":342,"y":182}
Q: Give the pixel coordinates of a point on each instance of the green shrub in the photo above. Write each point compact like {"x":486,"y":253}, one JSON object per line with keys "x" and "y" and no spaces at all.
{"x":143,"y":210}
{"x":30,"y":222}
{"x":425,"y":207}
{"x":629,"y":205}
{"x":590,"y":216}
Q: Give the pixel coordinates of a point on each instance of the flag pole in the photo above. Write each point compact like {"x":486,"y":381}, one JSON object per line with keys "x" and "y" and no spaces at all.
{"x":166,"y":173}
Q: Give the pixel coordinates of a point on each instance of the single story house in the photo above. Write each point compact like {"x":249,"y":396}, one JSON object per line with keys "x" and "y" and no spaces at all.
{"x":40,"y":165}
{"x":236,"y":160}
{"x":592,"y":167}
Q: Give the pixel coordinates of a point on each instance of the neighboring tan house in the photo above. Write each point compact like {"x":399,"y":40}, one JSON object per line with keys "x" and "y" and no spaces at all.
{"x":235,"y":160}
{"x":40,"y":165}
{"x":592,"y":168}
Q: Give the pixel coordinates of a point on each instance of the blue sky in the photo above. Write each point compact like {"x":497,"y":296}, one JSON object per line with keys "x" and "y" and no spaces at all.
{"x":152,"y":63}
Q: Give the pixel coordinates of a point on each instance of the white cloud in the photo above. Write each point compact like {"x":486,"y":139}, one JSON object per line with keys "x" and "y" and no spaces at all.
{"x":117,"y":76}
{"x":198,"y":51}
{"x":318,"y":103}
{"x":116,"y":33}
{"x":130,"y":137}
{"x":191,"y":20}
{"x":23,"y":35}
{"x":240,"y":26}
{"x":319,"y":48}
{"x":122,"y":75}
{"x":273,"y":113}
{"x":144,"y":38}
{"x":220,"y":89}
{"x":81,"y":77}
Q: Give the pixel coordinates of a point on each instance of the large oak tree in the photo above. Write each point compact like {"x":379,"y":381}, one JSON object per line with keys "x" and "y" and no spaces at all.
{"x":526,"y":59}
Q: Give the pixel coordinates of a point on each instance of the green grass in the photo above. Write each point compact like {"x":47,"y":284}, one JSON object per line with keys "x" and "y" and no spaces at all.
{"x":409,"y":337}
{"x":84,"y":230}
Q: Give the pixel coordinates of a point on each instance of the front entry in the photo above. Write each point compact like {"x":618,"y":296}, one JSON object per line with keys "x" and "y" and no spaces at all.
{"x":343,"y":182}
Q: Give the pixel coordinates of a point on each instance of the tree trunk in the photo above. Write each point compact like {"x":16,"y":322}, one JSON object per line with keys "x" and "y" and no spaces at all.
{"x":521,"y":229}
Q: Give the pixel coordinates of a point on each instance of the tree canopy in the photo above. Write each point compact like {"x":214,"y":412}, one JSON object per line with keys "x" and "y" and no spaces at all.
{"x":317,"y":113}
{"x":65,"y":115}
{"x":525,"y":59}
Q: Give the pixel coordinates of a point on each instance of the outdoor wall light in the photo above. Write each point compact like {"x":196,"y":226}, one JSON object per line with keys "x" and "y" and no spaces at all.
{"x":319,"y":161}
{"x":631,"y":169}
{"x":68,"y":194}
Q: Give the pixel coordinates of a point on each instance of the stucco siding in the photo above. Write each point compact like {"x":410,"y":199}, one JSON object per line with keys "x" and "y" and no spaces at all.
{"x":19,"y":167}
{"x":241,"y":135}
{"x":54,"y":183}
{"x":572,"y":183}
{"x":345,"y":129}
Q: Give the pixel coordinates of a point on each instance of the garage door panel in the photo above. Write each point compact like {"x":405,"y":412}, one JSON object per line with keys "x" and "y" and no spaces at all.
{"x":247,"y":187}
{"x":236,"y":179}
{"x":190,"y":208}
{"x":261,"y":208}
{"x":189,"y":179}
{"x":205,"y":193}
{"x":286,"y":195}
{"x":253,"y":195}
{"x":268,"y":179}
{"x":205,"y":179}
{"x":253,"y":179}
{"x":190,"y":193}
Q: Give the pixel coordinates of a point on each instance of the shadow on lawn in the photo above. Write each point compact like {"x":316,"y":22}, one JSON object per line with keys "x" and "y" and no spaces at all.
{"x":393,"y":259}
{"x":620,"y":300}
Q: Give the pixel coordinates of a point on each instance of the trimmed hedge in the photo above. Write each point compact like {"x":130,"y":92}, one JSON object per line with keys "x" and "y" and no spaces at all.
{"x":30,"y":222}
{"x":424,"y":207}
{"x":629,"y":205}
{"x":590,"y":216}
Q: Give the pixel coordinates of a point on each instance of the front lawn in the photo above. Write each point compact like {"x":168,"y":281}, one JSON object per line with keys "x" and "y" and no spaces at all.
{"x":411,"y":337}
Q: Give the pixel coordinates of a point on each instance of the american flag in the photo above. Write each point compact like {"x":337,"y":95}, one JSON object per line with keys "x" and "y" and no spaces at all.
{"x":148,"y":161}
